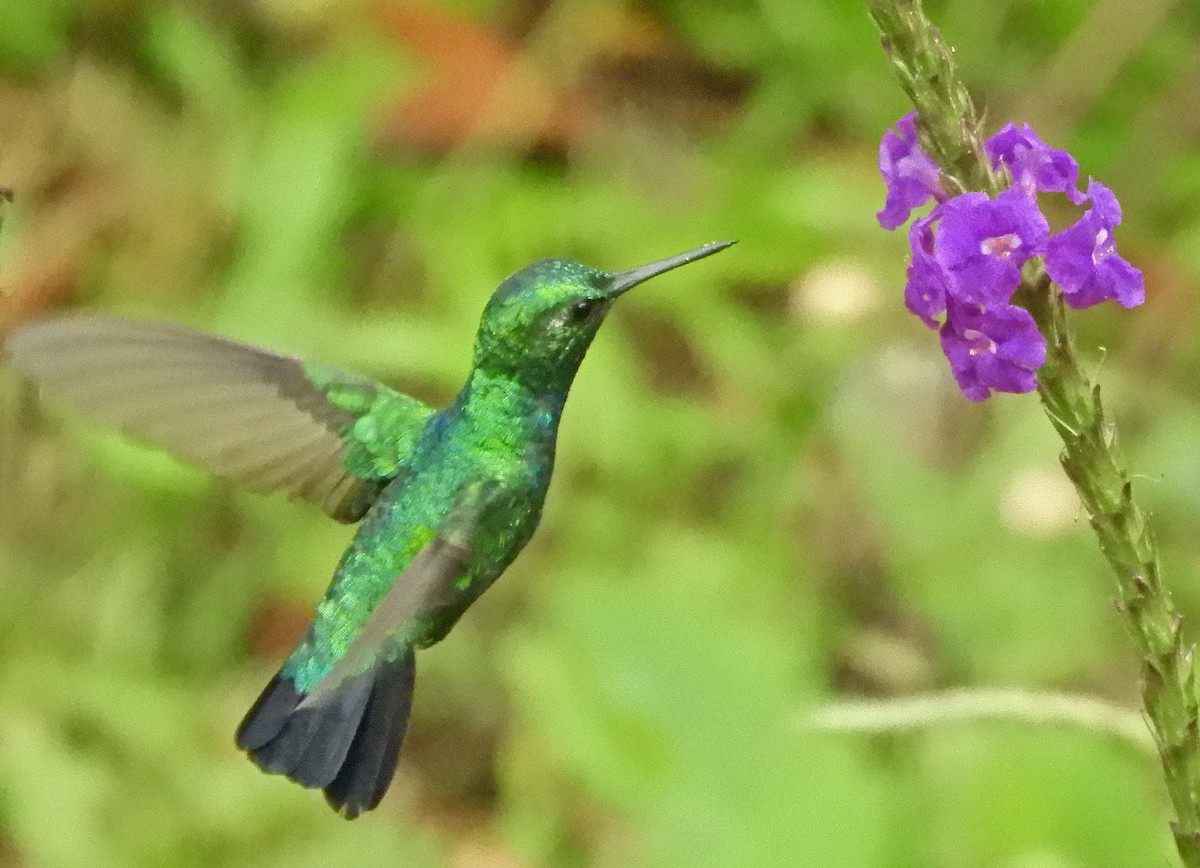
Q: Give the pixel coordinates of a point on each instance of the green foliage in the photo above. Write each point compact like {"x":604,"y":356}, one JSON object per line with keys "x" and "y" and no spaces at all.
{"x":768,"y":491}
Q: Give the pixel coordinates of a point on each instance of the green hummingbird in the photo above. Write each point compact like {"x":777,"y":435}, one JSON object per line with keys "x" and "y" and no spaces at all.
{"x":447,"y":498}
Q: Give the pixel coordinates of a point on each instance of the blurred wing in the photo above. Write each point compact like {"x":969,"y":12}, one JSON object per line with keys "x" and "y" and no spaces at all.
{"x":429,"y":582}
{"x":271,"y":422}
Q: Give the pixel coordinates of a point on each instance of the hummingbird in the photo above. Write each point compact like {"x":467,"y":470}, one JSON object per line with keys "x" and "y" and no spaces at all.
{"x":446,"y":499}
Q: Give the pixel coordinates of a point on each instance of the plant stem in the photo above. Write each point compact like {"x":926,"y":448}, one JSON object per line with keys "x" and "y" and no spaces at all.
{"x":954,"y":705}
{"x":949,"y":131}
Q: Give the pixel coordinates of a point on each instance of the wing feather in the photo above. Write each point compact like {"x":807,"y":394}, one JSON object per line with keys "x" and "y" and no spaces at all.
{"x":259,"y":418}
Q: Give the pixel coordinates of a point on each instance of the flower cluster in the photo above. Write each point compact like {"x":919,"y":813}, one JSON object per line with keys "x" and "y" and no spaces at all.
{"x":967,"y":253}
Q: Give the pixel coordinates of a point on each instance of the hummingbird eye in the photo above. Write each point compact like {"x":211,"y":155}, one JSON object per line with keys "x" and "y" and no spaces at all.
{"x":581,"y":310}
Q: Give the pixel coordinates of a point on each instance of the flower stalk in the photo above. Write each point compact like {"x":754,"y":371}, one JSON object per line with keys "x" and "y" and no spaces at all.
{"x":948,"y":130}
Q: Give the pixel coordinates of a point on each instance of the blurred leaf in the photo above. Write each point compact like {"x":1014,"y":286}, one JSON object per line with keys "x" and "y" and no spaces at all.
{"x":34,"y":33}
{"x":1011,"y":795}
{"x":674,"y":713}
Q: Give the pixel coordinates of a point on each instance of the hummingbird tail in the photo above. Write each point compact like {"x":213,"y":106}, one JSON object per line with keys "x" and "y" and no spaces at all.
{"x":347,"y":745}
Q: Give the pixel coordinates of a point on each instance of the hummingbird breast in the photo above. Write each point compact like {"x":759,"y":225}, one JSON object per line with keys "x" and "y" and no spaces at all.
{"x":459,"y":447}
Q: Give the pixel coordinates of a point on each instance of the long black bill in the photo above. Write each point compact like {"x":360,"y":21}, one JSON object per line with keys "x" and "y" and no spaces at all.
{"x":626,"y":280}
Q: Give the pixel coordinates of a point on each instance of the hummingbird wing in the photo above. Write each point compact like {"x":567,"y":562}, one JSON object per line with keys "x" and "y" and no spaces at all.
{"x":272,"y":422}
{"x":430,"y":583}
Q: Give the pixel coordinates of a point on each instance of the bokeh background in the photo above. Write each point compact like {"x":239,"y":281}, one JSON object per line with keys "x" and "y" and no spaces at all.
{"x":770,"y":497}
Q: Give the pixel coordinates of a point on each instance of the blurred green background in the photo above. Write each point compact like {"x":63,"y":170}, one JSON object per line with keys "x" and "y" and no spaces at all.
{"x":770,"y":497}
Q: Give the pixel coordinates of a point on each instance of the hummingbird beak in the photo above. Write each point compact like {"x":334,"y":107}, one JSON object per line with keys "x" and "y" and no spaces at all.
{"x":623,"y":281}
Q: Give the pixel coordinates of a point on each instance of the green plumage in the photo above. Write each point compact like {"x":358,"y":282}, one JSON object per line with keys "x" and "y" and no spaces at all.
{"x":447,"y":499}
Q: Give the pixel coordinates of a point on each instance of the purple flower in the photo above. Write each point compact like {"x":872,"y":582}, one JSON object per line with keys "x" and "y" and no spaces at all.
{"x":1083,"y":259}
{"x":968,"y":253}
{"x":926,"y":288}
{"x":983,"y":243}
{"x":912,"y":178}
{"x":1035,"y":166}
{"x":996,"y":349}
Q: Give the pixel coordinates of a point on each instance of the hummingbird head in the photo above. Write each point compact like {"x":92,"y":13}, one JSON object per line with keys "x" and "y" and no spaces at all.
{"x":541,"y":320}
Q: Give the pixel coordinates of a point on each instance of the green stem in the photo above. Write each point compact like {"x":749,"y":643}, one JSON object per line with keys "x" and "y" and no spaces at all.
{"x":949,"y":130}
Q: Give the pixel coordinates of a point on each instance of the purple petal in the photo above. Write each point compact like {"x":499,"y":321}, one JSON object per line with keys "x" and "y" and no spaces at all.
{"x":1017,"y":337}
{"x":912,"y":178}
{"x":1034,"y":165}
{"x":1104,"y":204}
{"x":1123,"y":281}
{"x":925,"y":289}
{"x":1014,"y":212}
{"x":1083,"y":258}
{"x":1069,"y":259}
{"x":992,"y":350}
{"x":985,"y":280}
{"x":983,"y":242}
{"x":962,"y":364}
{"x":1002,"y":376}
{"x":958,"y":238}
{"x":1008,"y":227}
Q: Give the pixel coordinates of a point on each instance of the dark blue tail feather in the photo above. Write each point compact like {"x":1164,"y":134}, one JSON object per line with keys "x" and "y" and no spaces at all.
{"x":371,"y":762}
{"x":348,"y":745}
